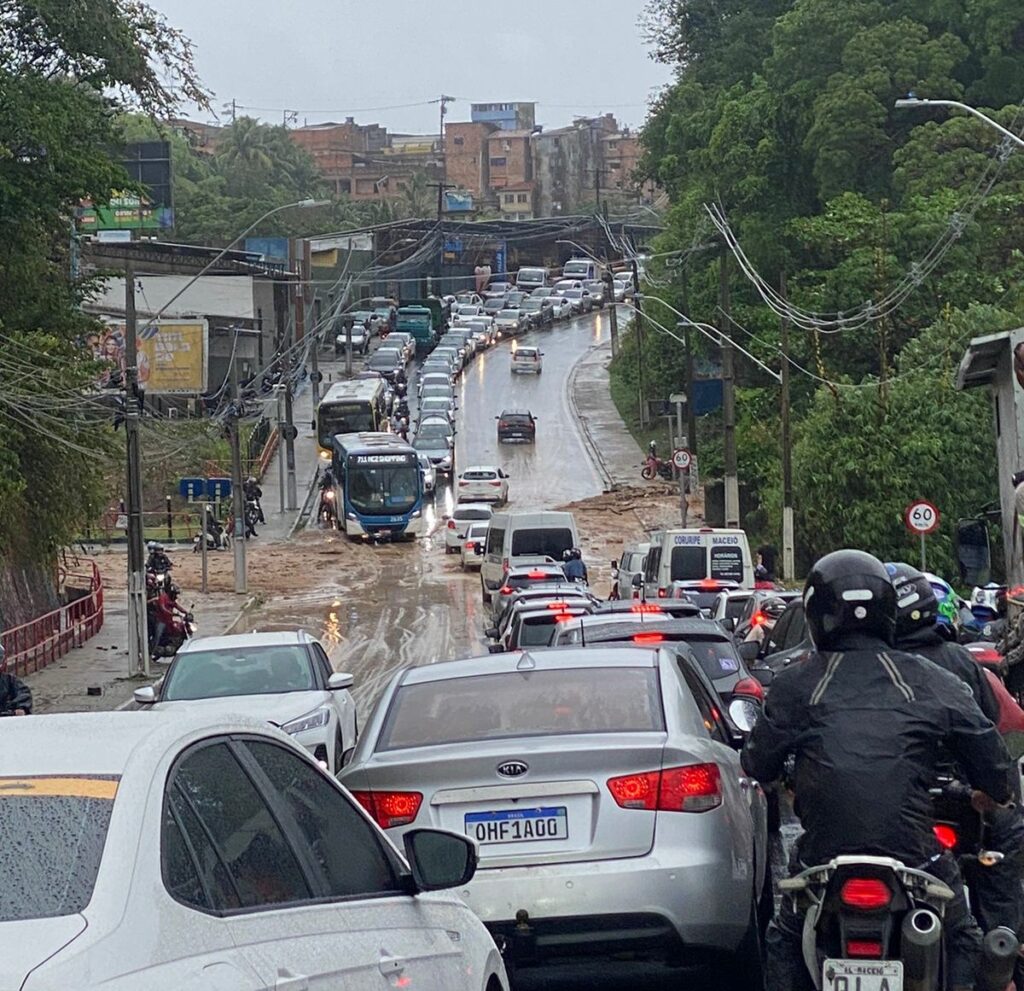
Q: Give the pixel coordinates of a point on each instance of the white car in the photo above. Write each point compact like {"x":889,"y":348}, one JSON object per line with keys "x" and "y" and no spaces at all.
{"x":482,"y":483}
{"x":566,"y":284}
{"x":284,"y":678}
{"x":465,"y":514}
{"x":437,"y":406}
{"x":428,"y":474}
{"x":179,"y":850}
{"x":472,"y":549}
{"x":561,"y":308}
{"x":527,"y":359}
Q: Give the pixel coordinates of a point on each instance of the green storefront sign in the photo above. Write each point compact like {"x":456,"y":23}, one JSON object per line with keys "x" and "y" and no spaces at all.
{"x":125,"y":212}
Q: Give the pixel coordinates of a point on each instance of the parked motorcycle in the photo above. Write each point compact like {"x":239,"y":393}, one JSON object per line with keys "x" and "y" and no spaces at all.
{"x":654,"y":467}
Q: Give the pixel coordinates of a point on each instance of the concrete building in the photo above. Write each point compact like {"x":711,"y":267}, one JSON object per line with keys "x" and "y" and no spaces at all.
{"x":509,"y":159}
{"x":621,"y":159}
{"x":507,"y":116}
{"x":517,"y":201}
{"x":569,"y":165}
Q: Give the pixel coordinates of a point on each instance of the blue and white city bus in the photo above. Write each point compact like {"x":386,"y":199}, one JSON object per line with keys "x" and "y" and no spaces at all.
{"x":379,"y":485}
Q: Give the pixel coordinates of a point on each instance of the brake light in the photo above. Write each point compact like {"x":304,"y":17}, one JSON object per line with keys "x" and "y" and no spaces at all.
{"x":462,"y":481}
{"x":695,"y":788}
{"x":502,"y":424}
{"x":662,"y":594}
{"x":870,"y":949}
{"x":946,"y":835}
{"x":451,"y":524}
{"x":470,"y":544}
{"x":985,"y":655}
{"x":390,"y":808}
{"x":758,"y":619}
{"x":645,"y":607}
{"x":648,"y":637}
{"x":707,"y":583}
{"x":506,"y":590}
{"x":497,"y":485}
{"x":750,"y":687}
{"x":558,"y":605}
{"x":865,"y":893}
{"x":536,"y":574}
{"x":561,"y":617}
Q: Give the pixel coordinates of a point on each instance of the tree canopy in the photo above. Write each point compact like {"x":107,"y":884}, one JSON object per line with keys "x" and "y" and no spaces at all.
{"x":782,"y":113}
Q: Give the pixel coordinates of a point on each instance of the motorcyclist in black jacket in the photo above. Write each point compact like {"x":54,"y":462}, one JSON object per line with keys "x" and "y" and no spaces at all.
{"x":15,"y":695}
{"x":996,"y":894}
{"x":865,"y":723}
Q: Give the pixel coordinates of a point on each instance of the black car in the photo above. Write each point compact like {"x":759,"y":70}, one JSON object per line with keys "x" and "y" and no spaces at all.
{"x":789,"y":639}
{"x":516,"y":424}
{"x":751,"y":613}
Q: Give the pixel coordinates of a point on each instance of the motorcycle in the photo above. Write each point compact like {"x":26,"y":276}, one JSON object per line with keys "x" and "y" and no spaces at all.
{"x":175,"y":636}
{"x":327,"y":511}
{"x":985,"y":617}
{"x":217,"y":538}
{"x":654,"y":467}
{"x":252,"y":516}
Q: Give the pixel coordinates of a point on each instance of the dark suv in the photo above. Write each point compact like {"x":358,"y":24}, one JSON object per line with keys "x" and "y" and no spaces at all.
{"x":788,"y":640}
{"x":516,"y":424}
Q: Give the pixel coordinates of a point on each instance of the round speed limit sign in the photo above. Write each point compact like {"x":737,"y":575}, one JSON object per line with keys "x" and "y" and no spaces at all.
{"x":921,"y":517}
{"x":681,"y":458}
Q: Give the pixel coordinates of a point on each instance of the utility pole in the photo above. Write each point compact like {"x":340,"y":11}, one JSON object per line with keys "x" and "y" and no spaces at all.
{"x":237,"y":502}
{"x":732,"y":486}
{"x":691,"y":415}
{"x":305,"y":267}
{"x":638,"y":303}
{"x":445,"y":100}
{"x":788,"y":534}
{"x":138,"y":639}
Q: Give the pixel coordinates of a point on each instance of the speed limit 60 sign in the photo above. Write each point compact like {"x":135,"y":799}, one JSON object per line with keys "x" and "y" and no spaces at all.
{"x":681,"y":458}
{"x":921,"y":517}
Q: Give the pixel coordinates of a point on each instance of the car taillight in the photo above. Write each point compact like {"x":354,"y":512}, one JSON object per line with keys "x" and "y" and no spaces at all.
{"x":559,"y":606}
{"x":451,"y":524}
{"x":390,"y":808}
{"x":865,"y":893}
{"x":707,"y":584}
{"x":946,"y":835}
{"x":536,"y":574}
{"x":869,"y":949}
{"x":462,"y":481}
{"x":506,"y":590}
{"x":470,"y":544}
{"x":695,"y":788}
{"x":646,"y":607}
{"x":750,"y":687}
{"x":648,"y":637}
{"x":985,"y":655}
{"x":662,"y":593}
{"x":497,"y":485}
{"x":502,"y":424}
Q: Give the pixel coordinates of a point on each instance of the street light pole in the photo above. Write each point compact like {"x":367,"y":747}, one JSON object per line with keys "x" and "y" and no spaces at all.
{"x":913,"y":102}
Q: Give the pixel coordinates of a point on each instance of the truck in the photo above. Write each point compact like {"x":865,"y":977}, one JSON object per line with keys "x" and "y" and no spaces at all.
{"x":418,"y":321}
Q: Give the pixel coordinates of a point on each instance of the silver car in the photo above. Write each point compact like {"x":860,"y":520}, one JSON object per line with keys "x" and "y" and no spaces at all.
{"x":605,"y":790}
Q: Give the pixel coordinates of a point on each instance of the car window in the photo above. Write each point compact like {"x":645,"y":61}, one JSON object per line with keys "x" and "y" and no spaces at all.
{"x":688,"y":563}
{"x":535,"y":631}
{"x":718,"y":658}
{"x":472,"y":514}
{"x":326,"y":668}
{"x":53,"y":831}
{"x":343,"y":844}
{"x":652,"y":564}
{"x":727,"y":563}
{"x":482,"y":475}
{"x":259,"y":670}
{"x":735,"y":606}
{"x":548,"y":541}
{"x":709,"y":710}
{"x":507,"y":705}
{"x":778,"y":635}
{"x":797,"y":631}
{"x":237,"y":822}
{"x":181,"y":872}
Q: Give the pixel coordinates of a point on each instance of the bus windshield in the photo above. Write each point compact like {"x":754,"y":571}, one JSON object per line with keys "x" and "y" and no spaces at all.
{"x":388,"y":490}
{"x":344,"y":418}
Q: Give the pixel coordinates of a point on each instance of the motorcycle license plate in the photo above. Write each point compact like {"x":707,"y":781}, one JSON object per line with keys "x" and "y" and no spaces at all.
{"x":862,"y":975}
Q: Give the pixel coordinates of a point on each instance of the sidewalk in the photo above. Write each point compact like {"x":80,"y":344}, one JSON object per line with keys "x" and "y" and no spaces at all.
{"x":102,"y":662}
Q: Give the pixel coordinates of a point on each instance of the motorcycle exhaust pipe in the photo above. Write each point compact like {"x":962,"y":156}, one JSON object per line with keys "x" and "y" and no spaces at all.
{"x":998,"y":957}
{"x":921,"y":945}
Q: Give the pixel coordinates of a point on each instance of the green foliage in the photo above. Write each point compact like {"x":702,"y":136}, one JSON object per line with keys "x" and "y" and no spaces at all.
{"x":795,"y":134}
{"x":66,"y":66}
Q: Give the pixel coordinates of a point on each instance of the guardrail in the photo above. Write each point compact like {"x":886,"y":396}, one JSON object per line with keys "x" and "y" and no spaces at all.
{"x":39,"y":642}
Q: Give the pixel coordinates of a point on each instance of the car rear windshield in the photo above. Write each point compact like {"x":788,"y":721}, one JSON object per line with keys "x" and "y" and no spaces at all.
{"x":717,"y":657}
{"x":521,"y":581}
{"x":262,"y":670}
{"x":548,"y":541}
{"x":515,"y":418}
{"x":530,"y":353}
{"x":537,"y":630}
{"x":689,"y":563}
{"x":53,"y":829}
{"x":473,"y":514}
{"x":513,"y":704}
{"x":476,"y":476}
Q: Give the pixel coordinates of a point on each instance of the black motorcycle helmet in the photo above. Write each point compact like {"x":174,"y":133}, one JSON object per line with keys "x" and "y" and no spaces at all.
{"x":848,"y":592}
{"x":917,"y":608}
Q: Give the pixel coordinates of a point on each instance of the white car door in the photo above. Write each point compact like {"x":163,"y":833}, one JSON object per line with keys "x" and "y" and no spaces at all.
{"x":341,"y":701}
{"x":398,"y":940}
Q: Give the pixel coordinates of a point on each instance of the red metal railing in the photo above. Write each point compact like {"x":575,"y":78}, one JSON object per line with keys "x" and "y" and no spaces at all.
{"x":33,"y":645}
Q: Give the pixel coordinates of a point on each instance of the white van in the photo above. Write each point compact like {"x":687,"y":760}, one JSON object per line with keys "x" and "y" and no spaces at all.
{"x":584,"y":269}
{"x":528,"y":279}
{"x":705,"y":558}
{"x":515,"y":539}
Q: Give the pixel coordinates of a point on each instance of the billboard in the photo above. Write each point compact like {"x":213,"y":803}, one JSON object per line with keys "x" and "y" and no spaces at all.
{"x":172,"y":355}
{"x":148,"y":163}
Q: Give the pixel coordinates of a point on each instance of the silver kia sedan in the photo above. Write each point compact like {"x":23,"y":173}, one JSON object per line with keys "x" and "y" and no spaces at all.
{"x":605,"y":790}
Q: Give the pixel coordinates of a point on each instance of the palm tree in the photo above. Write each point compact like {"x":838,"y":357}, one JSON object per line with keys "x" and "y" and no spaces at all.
{"x":416,"y":198}
{"x":246,"y":143}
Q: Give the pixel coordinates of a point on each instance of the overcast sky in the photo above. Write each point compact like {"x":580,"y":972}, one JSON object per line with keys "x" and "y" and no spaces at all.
{"x":328,"y":59}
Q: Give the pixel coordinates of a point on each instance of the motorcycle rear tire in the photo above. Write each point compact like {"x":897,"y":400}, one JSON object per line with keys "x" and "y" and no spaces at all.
{"x":647,"y":473}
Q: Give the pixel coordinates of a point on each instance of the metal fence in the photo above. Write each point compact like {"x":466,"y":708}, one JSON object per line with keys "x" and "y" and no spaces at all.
{"x":39,"y":642}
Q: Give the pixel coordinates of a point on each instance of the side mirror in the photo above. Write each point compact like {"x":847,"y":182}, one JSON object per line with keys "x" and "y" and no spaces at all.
{"x":491,"y":633}
{"x":312,"y":424}
{"x":744,"y":713}
{"x":145,"y":696}
{"x":440,"y":859}
{"x":340,"y":680}
{"x":765,"y":675}
{"x":615,"y":572}
{"x":749,"y":651}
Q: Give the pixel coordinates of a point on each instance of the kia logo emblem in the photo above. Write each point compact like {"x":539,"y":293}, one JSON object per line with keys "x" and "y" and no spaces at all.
{"x":513,"y":768}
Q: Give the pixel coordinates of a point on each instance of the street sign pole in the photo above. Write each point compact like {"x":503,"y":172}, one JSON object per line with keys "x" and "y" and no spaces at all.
{"x":924,"y":562}
{"x":202,"y":541}
{"x":922,"y":517}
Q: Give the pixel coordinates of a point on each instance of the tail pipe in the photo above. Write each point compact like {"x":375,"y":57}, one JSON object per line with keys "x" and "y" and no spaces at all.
{"x":921,"y":942}
{"x":998,"y":956}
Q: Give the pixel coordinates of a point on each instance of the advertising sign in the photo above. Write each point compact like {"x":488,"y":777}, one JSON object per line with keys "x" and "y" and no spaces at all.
{"x":172,"y":355}
{"x":147,"y":163}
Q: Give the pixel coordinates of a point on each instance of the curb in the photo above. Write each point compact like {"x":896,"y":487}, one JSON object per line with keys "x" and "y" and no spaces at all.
{"x":593,"y":449}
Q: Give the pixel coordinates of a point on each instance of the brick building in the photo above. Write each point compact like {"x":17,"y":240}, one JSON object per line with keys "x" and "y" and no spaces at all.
{"x":467,"y":154}
{"x":509,"y":158}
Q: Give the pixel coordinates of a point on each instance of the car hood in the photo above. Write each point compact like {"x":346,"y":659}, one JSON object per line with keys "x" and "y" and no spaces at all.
{"x":276,"y":709}
{"x":32,"y":942}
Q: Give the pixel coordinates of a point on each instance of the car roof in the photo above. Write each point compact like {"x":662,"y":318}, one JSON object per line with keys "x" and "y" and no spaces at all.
{"x":241,"y":641}
{"x":104,"y":742}
{"x":516,"y":412}
{"x":479,"y":468}
{"x":540,"y":659}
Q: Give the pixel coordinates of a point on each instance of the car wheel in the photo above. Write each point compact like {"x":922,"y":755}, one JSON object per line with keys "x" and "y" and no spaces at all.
{"x":745,"y":969}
